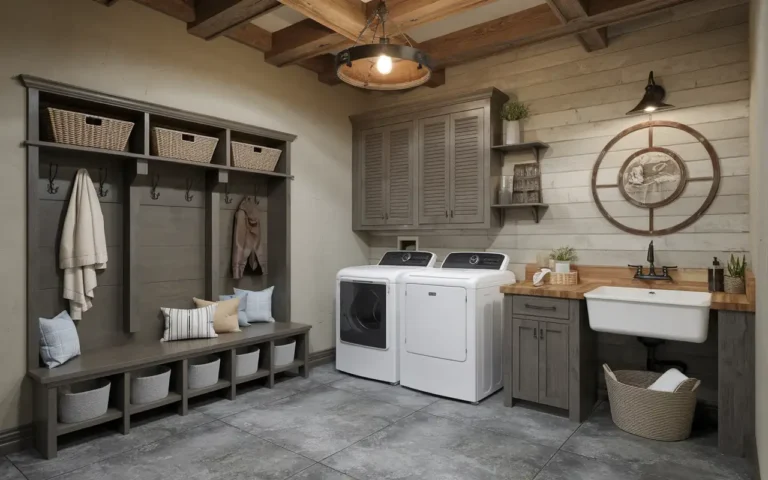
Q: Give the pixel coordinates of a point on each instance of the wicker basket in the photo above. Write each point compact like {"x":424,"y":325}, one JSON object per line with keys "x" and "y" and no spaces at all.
{"x":665,"y":416}
{"x":255,"y":157}
{"x":247,"y":362}
{"x":182,"y":145}
{"x":555,"y":278}
{"x":150,"y":385}
{"x":284,"y":354}
{"x":203,"y":371}
{"x":76,"y":128}
{"x":83,"y":401}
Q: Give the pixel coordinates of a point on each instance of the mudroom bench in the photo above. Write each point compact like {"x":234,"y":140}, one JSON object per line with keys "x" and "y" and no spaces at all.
{"x":117,"y":363}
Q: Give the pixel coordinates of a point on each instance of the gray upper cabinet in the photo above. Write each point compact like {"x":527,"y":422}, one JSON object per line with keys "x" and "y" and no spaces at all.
{"x":427,"y":166}
{"x":434,"y":169}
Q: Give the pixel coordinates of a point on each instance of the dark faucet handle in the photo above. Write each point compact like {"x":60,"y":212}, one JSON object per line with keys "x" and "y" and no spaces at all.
{"x":665,"y":270}
{"x":638,"y":267}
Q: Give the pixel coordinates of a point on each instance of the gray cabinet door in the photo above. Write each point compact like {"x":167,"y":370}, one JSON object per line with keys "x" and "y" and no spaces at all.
{"x":400,"y":174}
{"x":525,"y":359}
{"x":553,"y":364}
{"x":434,"y":178}
{"x":467,"y":168}
{"x":372,"y":177}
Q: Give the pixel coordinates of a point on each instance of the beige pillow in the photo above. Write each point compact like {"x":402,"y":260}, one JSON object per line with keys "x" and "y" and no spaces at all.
{"x":225,"y":318}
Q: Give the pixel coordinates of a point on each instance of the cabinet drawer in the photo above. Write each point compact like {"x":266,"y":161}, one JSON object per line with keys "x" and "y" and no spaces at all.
{"x":540,"y":306}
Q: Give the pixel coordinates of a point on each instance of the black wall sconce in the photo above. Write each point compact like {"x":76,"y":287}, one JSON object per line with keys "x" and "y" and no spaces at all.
{"x":653,"y":99}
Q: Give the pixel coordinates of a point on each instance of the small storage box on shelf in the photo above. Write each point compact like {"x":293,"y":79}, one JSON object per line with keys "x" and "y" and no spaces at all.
{"x":204,"y":371}
{"x":84,"y":401}
{"x":247,"y":363}
{"x":182,"y":145}
{"x":555,"y":278}
{"x":75,"y":128}
{"x":665,"y":416}
{"x":285,"y":354}
{"x":254,"y":157}
{"x":150,"y":385}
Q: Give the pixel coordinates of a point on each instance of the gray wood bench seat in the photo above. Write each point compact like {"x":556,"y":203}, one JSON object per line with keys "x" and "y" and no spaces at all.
{"x":118,"y":362}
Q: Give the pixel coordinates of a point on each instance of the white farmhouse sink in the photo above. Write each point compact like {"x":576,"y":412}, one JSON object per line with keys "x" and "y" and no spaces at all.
{"x":666,"y":314}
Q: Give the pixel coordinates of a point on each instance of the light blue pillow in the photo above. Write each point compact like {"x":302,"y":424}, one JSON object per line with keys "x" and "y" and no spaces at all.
{"x":58,"y":340}
{"x":258,"y":306}
{"x":242,"y":319}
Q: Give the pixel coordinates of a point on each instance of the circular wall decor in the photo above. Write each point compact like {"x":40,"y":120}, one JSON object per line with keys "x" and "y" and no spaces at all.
{"x":654,"y":177}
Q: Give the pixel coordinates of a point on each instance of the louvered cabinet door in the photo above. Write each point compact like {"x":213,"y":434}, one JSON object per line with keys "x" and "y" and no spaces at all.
{"x":372,"y":177}
{"x":400,"y":175}
{"x":467,"y":167}
{"x":434,"y":178}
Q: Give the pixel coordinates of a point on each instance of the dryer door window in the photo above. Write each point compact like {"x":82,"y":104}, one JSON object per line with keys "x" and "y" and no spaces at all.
{"x":363,"y":312}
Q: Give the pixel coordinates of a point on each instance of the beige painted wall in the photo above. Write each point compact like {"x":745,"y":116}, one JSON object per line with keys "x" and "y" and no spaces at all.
{"x":759,"y":197}
{"x":699,"y":52}
{"x":135,"y":52}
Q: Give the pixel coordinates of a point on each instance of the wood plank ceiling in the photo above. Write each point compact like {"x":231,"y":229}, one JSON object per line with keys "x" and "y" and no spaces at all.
{"x":332,"y":25}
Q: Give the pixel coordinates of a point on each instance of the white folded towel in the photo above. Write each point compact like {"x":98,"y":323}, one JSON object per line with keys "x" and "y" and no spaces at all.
{"x":669,"y":381}
{"x":538,"y":277}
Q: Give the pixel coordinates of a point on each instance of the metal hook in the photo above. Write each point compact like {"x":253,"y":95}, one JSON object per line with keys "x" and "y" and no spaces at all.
{"x":256,"y":196}
{"x":53,"y":170}
{"x":187,"y":196}
{"x":227,"y":199}
{"x":102,"y":178}
{"x":153,"y":192}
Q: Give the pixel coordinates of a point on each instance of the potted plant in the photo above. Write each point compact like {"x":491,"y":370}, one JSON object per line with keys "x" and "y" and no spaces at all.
{"x":734,"y":279}
{"x":512,"y":113}
{"x":563,"y":257}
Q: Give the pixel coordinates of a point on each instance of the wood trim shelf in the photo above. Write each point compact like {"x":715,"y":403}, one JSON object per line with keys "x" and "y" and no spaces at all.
{"x":153,"y":158}
{"x":294,"y":364}
{"x":535,"y":208}
{"x":535,"y":147}
{"x":172,"y":397}
{"x":260,"y":373}
{"x":112,"y":414}
{"x":220,"y":385}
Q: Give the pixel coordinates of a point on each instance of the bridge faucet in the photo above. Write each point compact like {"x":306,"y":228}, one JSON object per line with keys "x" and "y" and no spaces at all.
{"x":651,"y":275}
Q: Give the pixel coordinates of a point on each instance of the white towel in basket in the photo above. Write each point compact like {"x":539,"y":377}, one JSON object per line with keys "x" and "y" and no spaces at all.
{"x":669,"y":381}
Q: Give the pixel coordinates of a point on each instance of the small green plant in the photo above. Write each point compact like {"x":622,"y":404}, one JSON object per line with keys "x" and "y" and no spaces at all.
{"x":512,"y":111}
{"x":564,"y":254}
{"x":737,"y":266}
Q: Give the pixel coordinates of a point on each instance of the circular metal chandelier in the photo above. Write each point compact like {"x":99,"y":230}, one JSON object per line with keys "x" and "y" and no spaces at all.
{"x":382,"y":65}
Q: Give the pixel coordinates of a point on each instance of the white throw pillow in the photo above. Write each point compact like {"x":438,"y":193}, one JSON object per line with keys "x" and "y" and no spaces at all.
{"x":59,"y":341}
{"x":258,"y":306}
{"x":185,"y":324}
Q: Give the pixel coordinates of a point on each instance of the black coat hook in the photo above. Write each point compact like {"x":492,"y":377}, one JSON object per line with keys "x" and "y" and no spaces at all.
{"x":187,"y":196}
{"x":153,"y":192}
{"x":53,"y":170}
{"x":227,"y":198}
{"x":102,"y":178}
{"x":256,"y":195}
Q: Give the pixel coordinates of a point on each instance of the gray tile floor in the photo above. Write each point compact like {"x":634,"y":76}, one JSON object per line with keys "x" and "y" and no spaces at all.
{"x":337,"y":427}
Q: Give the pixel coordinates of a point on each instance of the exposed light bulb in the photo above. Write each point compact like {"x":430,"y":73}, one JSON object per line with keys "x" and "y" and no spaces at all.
{"x":650,"y":109}
{"x":384,"y":64}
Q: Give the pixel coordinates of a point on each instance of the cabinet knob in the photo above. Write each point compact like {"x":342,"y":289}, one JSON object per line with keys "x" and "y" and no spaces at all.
{"x":451,"y":213}
{"x":541,"y":334}
{"x":534,"y":332}
{"x":446,"y":214}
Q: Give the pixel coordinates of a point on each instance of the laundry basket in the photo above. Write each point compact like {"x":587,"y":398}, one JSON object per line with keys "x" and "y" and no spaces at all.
{"x":192,"y":147}
{"x":83,"y":401}
{"x":76,"y":128}
{"x":665,"y":416}
{"x":255,"y":157}
{"x":150,"y":385}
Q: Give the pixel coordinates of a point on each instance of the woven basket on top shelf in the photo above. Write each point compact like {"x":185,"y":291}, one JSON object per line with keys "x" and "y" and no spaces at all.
{"x":182,"y":145}
{"x":254,"y":157}
{"x":75,"y":128}
{"x":555,"y":278}
{"x":665,"y":416}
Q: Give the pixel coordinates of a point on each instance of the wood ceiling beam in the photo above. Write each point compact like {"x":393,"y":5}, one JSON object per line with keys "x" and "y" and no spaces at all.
{"x":345,"y":17}
{"x":216,"y":17}
{"x":252,"y":36}
{"x":303,"y":40}
{"x":107,"y":3}
{"x":183,"y":10}
{"x":534,"y":25}
{"x":411,"y":13}
{"x":569,"y":10}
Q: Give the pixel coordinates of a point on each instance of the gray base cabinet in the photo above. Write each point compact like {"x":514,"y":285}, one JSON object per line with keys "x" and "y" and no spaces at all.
{"x":549,"y":354}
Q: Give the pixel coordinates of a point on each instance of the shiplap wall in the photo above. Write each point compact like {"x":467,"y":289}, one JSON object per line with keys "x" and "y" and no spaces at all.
{"x":578,"y":100}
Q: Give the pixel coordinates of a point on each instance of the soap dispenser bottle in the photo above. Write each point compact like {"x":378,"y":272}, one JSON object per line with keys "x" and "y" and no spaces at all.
{"x":716,"y":277}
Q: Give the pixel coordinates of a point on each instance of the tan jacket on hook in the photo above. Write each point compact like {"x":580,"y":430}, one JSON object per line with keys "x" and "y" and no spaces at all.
{"x":246,"y":239}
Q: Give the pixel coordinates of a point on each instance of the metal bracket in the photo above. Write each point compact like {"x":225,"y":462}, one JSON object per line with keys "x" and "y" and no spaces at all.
{"x":102,"y":178}
{"x":53,"y":170}
{"x":153,"y":191}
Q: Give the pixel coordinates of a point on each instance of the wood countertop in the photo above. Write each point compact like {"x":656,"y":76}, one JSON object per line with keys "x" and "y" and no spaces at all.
{"x":594,"y":277}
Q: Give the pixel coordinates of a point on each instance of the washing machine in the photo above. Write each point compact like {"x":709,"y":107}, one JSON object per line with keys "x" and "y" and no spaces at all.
{"x":367,"y":309}
{"x":451,"y":322}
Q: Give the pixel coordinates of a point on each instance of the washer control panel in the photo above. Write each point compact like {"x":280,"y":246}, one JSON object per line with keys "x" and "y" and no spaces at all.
{"x":476,"y":261}
{"x":408,"y":258}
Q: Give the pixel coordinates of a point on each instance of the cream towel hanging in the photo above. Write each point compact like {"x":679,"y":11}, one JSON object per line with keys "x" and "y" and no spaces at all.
{"x":83,"y":248}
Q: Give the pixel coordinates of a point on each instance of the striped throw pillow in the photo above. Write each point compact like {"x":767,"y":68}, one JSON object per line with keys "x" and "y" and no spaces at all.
{"x":183,"y":324}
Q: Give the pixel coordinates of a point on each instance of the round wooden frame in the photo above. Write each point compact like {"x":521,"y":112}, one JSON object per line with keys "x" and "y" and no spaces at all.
{"x":715,"y":178}
{"x":678,"y":191}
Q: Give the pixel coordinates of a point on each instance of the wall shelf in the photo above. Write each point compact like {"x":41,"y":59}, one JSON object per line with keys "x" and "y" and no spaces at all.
{"x":536,"y":208}
{"x":535,"y":147}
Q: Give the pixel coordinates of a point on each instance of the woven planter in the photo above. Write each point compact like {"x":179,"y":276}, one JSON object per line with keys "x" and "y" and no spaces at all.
{"x":150,"y":385}
{"x":203,"y":371}
{"x":247,"y":362}
{"x":76,"y":128}
{"x":182,"y":145}
{"x":84,"y":401}
{"x":665,"y":416}
{"x":285,"y":354}
{"x":734,"y":285}
{"x":255,"y":157}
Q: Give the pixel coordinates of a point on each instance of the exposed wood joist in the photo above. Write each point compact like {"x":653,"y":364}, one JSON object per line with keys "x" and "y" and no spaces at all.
{"x":252,"y":36}
{"x":303,"y":40}
{"x":108,"y":3}
{"x":183,"y":10}
{"x":569,"y":10}
{"x":345,"y":17}
{"x":412,"y":13}
{"x":215,"y":17}
{"x":534,"y":25}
